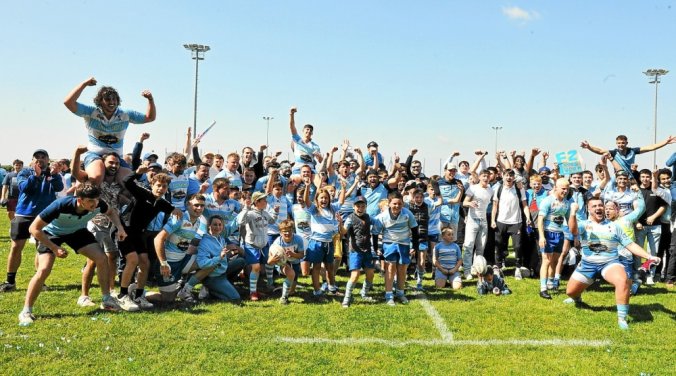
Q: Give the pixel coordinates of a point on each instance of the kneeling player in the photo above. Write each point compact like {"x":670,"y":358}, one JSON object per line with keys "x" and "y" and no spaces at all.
{"x":447,"y":259}
{"x":65,"y":221}
{"x":601,"y":240}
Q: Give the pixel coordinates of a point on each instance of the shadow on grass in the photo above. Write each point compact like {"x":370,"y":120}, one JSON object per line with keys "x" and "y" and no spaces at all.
{"x":447,"y":294}
{"x":644,"y":312}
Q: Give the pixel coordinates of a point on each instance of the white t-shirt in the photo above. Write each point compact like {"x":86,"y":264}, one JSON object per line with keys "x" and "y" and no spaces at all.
{"x":482,"y":196}
{"x":509,"y":209}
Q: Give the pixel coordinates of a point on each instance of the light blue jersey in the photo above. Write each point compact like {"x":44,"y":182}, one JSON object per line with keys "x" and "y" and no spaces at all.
{"x":373,"y":196}
{"x":180,"y":188}
{"x":394,"y":230}
{"x":295,"y":245}
{"x":284,"y":212}
{"x":348,"y":204}
{"x":228,"y":210}
{"x":301,"y":219}
{"x":323,"y":223}
{"x":601,"y":241}
{"x":181,"y":233}
{"x":625,"y":199}
{"x":234,"y":178}
{"x":303,"y":153}
{"x":434,"y":221}
{"x":447,"y":254}
{"x":555,"y":213}
{"x":62,"y":217}
{"x":107,"y":135}
{"x":450,"y":213}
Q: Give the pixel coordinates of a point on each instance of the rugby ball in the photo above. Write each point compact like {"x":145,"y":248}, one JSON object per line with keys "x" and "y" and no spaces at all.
{"x":479,"y":266}
{"x":277,"y":250}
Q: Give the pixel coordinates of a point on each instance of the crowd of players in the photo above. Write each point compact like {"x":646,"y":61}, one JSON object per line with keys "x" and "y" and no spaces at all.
{"x":220,"y":221}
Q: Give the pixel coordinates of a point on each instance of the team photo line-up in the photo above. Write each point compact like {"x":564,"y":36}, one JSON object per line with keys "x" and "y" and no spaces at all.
{"x":221,"y":221}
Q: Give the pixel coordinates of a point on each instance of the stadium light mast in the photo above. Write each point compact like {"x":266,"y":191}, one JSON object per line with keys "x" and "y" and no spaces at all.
{"x":496,"y":129}
{"x":655,"y":74}
{"x":197,"y":51}
{"x":267,"y":134}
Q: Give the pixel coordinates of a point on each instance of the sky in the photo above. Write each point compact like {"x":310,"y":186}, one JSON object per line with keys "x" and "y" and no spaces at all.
{"x":431,"y":75}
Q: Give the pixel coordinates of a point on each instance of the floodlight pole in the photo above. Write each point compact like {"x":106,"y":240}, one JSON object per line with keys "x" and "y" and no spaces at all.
{"x":197,"y":51}
{"x":655,"y":73}
{"x":267,"y":134}
{"x":496,"y":129}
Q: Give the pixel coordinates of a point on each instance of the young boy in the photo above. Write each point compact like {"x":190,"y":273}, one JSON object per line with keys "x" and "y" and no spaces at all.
{"x":447,"y":259}
{"x":358,"y":226}
{"x":256,"y":220}
{"x":490,"y":280}
{"x":294,"y":247}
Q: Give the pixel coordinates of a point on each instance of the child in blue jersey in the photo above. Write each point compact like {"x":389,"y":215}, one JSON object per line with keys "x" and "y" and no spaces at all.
{"x":447,"y":259}
{"x":106,"y":125}
{"x":601,"y":240}
{"x":325,"y":222}
{"x":65,"y":221}
{"x":294,"y":250}
{"x":358,"y":227}
{"x":399,"y":230}
{"x":278,"y":203}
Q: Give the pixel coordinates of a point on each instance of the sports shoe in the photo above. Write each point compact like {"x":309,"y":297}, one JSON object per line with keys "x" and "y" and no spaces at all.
{"x":254,"y":296}
{"x":346,"y":302}
{"x":468,"y":277}
{"x":650,"y":281}
{"x":143,"y":303}
{"x":325,"y":287}
{"x":186,"y":295}
{"x":390,"y":302}
{"x":284,"y":300}
{"x":110,"y":305}
{"x":7,"y":287}
{"x":132,"y":290}
{"x":550,"y":285}
{"x":402,"y":299}
{"x":572,"y":301}
{"x":335,"y":293}
{"x":633,"y":290}
{"x":204,"y":293}
{"x":648,"y":264}
{"x":545,"y":295}
{"x":555,"y":284}
{"x":85,"y":301}
{"x":127,"y":304}
{"x":622,"y":324}
{"x":26,"y":318}
{"x":367,"y":298}
{"x":517,"y":274}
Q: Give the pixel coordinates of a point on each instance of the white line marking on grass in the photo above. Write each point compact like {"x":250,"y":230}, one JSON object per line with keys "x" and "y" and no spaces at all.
{"x":439,"y":322}
{"x":556,"y":342}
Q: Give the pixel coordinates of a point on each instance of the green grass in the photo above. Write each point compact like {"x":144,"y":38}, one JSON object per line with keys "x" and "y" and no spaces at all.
{"x":221,"y":338}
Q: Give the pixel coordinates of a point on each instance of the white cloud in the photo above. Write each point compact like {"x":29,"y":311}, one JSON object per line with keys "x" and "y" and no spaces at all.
{"x":518,"y":14}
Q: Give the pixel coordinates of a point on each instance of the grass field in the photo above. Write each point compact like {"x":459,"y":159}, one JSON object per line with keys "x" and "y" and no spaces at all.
{"x":440,"y":332}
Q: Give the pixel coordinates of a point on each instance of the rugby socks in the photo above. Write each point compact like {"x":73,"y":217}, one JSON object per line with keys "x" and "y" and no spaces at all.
{"x":348,"y":289}
{"x":139,"y":293}
{"x":269,"y":269}
{"x":27,"y":309}
{"x":191,"y":283}
{"x":622,"y":311}
{"x":400,"y":292}
{"x":543,"y":284}
{"x":11,"y":278}
{"x":420,"y":272}
{"x":253,"y":281}
{"x":123,"y":291}
{"x":388,"y":295}
{"x":333,"y":288}
{"x":366,"y":288}
{"x":106,"y":297}
{"x":286,"y":285}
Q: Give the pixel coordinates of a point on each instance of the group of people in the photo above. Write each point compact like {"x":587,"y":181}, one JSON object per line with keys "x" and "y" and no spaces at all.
{"x":215,"y":220}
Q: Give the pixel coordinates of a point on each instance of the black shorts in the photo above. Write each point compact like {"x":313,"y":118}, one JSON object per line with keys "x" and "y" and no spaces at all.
{"x":132,"y":243}
{"x":77,"y":240}
{"x":19,"y":227}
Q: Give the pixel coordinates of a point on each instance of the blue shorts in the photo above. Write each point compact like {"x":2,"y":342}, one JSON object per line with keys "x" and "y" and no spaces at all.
{"x":628,"y":264}
{"x":90,"y":157}
{"x":255,"y":255}
{"x":319,"y":252}
{"x":178,"y":268}
{"x":553,"y":242}
{"x":357,"y":260}
{"x":422,"y":247}
{"x":455,"y":277}
{"x":433,"y":238}
{"x":395,"y":252}
{"x":586,"y":272}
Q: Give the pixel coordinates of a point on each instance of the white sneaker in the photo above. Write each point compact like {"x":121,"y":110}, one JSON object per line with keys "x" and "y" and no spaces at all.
{"x":204,"y":293}
{"x":132,"y":290}
{"x":186,"y":295}
{"x":402,"y":299}
{"x":110,"y":304}
{"x":127,"y":304}
{"x":517,"y":274}
{"x":390,"y":302}
{"x":85,"y":301}
{"x":143,"y":303}
{"x":650,"y":281}
{"x":26,"y":318}
{"x":468,"y":277}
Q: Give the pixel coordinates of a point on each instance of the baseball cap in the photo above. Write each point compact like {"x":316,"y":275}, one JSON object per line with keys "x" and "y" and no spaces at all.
{"x":451,"y":166}
{"x":147,"y":156}
{"x":41,"y":151}
{"x":155,"y":165}
{"x":359,"y":199}
{"x":258,"y":196}
{"x":544,"y":169}
{"x":371,"y":172}
{"x":621,"y":173}
{"x":372,"y":144}
{"x":209,"y":153}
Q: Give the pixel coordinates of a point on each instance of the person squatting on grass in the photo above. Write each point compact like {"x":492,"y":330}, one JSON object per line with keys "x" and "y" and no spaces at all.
{"x":292,"y":246}
{"x":212,"y":258}
{"x":65,"y":221}
{"x":601,"y":242}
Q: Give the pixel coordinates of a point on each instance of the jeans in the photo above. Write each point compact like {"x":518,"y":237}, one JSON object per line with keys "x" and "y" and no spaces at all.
{"x":476,"y":231}
{"x":652,"y":234}
{"x":221,"y":288}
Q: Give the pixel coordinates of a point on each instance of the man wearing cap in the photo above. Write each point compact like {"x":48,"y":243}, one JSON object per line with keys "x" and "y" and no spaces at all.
{"x":38,"y":186}
{"x":544,"y":172}
{"x":305,"y":150}
{"x":451,"y":190}
{"x":106,"y":125}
